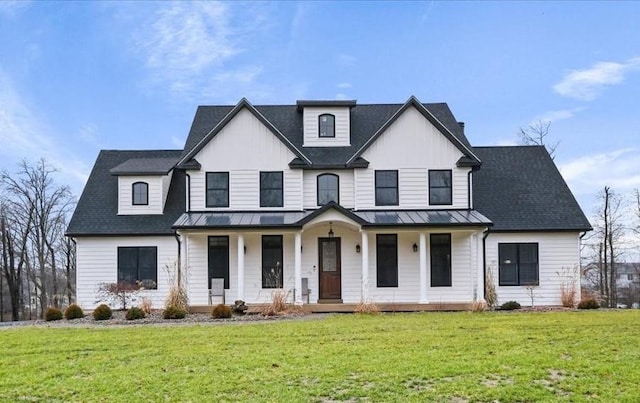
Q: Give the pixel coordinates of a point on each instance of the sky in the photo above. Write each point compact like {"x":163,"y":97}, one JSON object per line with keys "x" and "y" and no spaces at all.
{"x":77,"y":77}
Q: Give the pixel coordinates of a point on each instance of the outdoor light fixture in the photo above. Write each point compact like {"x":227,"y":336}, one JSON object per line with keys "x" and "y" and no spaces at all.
{"x":415,"y":247}
{"x":245,"y":250}
{"x":330,"y":229}
{"x":357,"y":248}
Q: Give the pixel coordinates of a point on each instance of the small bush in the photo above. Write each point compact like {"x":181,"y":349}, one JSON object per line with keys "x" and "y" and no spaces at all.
{"x":134,"y":313}
{"x":479,"y":306}
{"x":221,"y":311}
{"x":172,"y":312}
{"x":510,"y":306}
{"x":73,"y":311}
{"x":53,"y":314}
{"x":367,"y":308}
{"x":146,"y":305}
{"x":589,"y":303}
{"x":102,"y":312}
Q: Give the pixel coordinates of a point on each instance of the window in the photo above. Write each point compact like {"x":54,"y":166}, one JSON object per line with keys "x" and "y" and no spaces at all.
{"x":386,"y":188}
{"x":518,"y":263}
{"x":439,"y":187}
{"x":138,"y":265}
{"x":328,"y":189}
{"x":217,"y":189}
{"x":440,"y":260}
{"x":327,"y":125}
{"x":387,"y":260}
{"x":271,"y":189}
{"x":140,"y":194}
{"x":272,"y":261}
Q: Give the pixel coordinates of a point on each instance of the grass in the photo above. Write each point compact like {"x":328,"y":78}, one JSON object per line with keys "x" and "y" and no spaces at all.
{"x":551,"y":356}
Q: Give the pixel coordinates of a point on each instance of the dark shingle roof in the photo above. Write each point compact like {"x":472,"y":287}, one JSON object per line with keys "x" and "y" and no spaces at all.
{"x":520,"y":188}
{"x":97,"y":209}
{"x":145,"y":166}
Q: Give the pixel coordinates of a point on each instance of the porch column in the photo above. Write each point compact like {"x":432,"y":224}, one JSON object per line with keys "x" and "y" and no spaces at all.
{"x":240,"y":267}
{"x":365,"y":267}
{"x":297,"y":246}
{"x":423,"y":268}
{"x":480,"y":264}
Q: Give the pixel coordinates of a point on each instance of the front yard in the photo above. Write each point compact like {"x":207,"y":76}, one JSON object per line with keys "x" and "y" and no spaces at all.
{"x":390,"y":357}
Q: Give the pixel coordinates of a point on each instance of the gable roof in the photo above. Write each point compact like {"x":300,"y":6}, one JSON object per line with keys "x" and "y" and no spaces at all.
{"x":97,"y":209}
{"x":521,"y":189}
{"x":286,"y":120}
{"x":145,"y":166}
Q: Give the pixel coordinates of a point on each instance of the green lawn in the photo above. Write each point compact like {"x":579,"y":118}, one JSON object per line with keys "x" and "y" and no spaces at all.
{"x":570,"y":356}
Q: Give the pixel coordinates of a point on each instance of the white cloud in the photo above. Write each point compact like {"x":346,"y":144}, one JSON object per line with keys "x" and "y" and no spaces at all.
{"x":341,"y":96}
{"x":11,"y":8}
{"x":344,"y":85}
{"x":23,"y":135}
{"x":194,"y":48}
{"x":345,"y":61}
{"x":587,"y":84}
{"x":554,"y":116}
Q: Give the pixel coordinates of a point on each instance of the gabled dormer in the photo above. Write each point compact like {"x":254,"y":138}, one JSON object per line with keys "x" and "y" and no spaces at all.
{"x":326,"y":123}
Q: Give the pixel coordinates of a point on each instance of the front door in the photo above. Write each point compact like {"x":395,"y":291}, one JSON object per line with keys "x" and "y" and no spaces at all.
{"x":219,"y":259}
{"x":330,"y":274}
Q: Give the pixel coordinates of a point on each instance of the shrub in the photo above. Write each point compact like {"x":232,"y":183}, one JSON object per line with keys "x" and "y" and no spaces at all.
{"x":73,"y":311}
{"x":478,"y":306}
{"x":134,"y":313}
{"x":173,"y":312}
{"x":221,"y":311}
{"x":53,"y":314}
{"x":122,"y":293}
{"x":146,"y":305}
{"x":589,"y":303}
{"x":367,"y":308}
{"x":102,"y":312}
{"x":510,"y":306}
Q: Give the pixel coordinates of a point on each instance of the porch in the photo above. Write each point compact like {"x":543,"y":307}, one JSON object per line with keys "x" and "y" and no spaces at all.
{"x":350,"y":308}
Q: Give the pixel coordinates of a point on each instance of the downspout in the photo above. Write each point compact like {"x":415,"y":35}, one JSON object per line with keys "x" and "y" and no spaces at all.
{"x":484,"y":259}
{"x":469,"y":189}
{"x":188,"y":191}
{"x":177,"y":236}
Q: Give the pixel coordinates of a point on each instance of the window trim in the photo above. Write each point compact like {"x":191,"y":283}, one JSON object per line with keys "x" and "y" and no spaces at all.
{"x":207,"y":203}
{"x":432,"y":203}
{"x":333,"y":122}
{"x":262,"y":203}
{"x":318,"y":187}
{"x":137,"y":248}
{"x":450,"y":281}
{"x":396,"y":187}
{"x":262,"y":263}
{"x":133,"y":193}
{"x":378,"y":268}
{"x":519,"y":282}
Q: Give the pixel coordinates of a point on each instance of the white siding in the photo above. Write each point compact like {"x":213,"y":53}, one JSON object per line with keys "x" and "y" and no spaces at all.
{"x":311,"y":188}
{"x":411,"y":145}
{"x":166,"y":182}
{"x":244,"y":147}
{"x":157,"y":195}
{"x":97,"y":262}
{"x":342,"y":121}
{"x":558,"y":255}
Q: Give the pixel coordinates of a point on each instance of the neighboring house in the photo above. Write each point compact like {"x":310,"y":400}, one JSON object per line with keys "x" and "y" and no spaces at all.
{"x":384,"y":203}
{"x":627,"y":282}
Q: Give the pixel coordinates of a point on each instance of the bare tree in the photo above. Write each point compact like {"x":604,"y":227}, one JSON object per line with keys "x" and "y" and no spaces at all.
{"x":536,"y":134}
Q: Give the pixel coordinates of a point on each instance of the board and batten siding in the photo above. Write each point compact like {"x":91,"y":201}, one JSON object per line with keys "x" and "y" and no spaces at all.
{"x":342,"y":127}
{"x":244,"y":148}
{"x":310,"y":188}
{"x":558,"y":262}
{"x":157,"y":195}
{"x":412,"y":146}
{"x":97,"y":263}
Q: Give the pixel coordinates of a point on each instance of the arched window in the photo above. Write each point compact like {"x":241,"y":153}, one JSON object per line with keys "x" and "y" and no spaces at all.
{"x":140,"y":194}
{"x":328,"y":189}
{"x":327,"y":125}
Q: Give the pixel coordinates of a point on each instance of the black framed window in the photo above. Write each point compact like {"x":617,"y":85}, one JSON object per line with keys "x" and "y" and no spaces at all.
{"x":218,"y":259}
{"x":272,"y":271}
{"x":326,"y":125}
{"x":217,"y":189}
{"x":518,"y":264}
{"x":140,"y":194}
{"x":387,"y":260}
{"x":440,"y":260}
{"x":440,"y":189}
{"x":328,"y":188}
{"x":271,"y":189}
{"x":386,"y":188}
{"x":138,"y":264}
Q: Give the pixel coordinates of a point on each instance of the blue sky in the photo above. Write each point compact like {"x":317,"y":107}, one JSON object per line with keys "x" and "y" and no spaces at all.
{"x":77,"y":77}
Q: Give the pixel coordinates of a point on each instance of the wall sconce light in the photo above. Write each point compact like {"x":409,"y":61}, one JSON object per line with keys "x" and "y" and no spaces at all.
{"x":245,"y":250}
{"x":415,"y":247}
{"x":358,"y":248}
{"x":330,"y":229}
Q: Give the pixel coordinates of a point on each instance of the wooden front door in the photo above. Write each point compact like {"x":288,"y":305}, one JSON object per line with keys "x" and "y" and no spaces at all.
{"x":330,"y":273}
